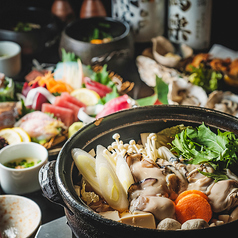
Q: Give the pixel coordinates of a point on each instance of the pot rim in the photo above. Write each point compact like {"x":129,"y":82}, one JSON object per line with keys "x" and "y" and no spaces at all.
{"x":109,"y":19}
{"x":71,"y":196}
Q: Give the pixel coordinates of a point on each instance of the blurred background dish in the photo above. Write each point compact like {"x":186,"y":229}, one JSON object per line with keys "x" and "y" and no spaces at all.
{"x":10,"y":58}
{"x":22,"y":179}
{"x":99,"y":40}
{"x":19,"y":216}
{"x":32,"y":28}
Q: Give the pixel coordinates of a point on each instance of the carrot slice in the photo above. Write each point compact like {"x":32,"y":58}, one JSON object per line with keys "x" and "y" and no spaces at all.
{"x":193,"y":206}
{"x":96,"y":41}
{"x":185,"y":193}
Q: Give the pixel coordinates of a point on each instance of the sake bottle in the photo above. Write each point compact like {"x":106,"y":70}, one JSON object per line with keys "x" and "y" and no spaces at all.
{"x":189,"y":22}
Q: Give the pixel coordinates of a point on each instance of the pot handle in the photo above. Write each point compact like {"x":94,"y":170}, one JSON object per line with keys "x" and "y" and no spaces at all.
{"x":49,"y":186}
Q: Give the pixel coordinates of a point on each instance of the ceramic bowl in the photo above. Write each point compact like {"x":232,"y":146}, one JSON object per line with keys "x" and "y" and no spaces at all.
{"x":19,"y":216}
{"x":10,"y":58}
{"x":116,"y":53}
{"x":21,"y":181}
{"x":34,"y":41}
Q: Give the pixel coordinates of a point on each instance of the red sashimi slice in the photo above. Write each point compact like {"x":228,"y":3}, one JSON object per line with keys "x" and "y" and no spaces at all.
{"x":61,"y":102}
{"x":114,"y":105}
{"x":66,"y":96}
{"x":38,"y":101}
{"x":64,"y":114}
{"x":99,"y":88}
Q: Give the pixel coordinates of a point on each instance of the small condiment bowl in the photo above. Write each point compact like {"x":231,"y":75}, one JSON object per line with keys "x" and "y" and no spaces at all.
{"x":19,"y":216}
{"x":25,"y":180}
{"x":10,"y":58}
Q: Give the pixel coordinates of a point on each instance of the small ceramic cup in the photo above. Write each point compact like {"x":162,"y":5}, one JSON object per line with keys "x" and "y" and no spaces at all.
{"x":10,"y":58}
{"x":21,"y":181}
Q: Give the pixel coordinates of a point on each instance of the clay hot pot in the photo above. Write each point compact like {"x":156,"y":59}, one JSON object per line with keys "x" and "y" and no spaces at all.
{"x":57,"y":178}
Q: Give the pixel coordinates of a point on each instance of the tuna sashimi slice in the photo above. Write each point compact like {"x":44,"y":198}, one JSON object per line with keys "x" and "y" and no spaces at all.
{"x":114,"y":105}
{"x":66,"y":96}
{"x":64,"y":114}
{"x":61,"y":102}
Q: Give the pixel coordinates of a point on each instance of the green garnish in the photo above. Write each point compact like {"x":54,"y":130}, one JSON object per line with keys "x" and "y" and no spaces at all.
{"x":21,"y":164}
{"x":68,"y":56}
{"x":201,"y":145}
{"x":103,"y":77}
{"x":205,"y":77}
{"x":109,"y":96}
{"x":161,"y":93}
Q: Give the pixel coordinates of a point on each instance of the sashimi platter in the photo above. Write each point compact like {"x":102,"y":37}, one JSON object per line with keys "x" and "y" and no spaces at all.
{"x":53,"y":104}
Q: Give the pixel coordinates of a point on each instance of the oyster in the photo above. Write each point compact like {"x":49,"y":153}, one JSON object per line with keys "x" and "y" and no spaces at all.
{"x":149,"y":68}
{"x":164,"y":52}
{"x":182,"y":92}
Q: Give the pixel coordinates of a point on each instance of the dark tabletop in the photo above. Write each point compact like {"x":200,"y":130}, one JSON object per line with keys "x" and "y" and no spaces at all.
{"x":223,"y":19}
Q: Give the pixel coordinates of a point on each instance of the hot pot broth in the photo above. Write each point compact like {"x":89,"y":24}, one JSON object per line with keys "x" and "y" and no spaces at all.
{"x":144,"y":183}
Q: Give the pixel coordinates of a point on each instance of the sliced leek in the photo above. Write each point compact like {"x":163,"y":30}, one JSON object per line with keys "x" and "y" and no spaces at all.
{"x":110,"y":186}
{"x":124,"y":173}
{"x":86,"y":165}
{"x":165,"y":153}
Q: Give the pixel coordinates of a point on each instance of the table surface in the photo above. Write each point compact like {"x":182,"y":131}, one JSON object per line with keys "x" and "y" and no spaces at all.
{"x":51,"y":211}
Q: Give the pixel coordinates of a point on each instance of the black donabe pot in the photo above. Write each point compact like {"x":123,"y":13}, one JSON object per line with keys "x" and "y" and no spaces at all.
{"x":56,"y":179}
{"x":31,"y":42}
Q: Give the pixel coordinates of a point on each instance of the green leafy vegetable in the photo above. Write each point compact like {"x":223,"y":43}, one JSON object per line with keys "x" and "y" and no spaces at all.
{"x":147,"y":100}
{"x":161,"y":91}
{"x":109,"y":96}
{"x":99,"y":31}
{"x":201,"y":145}
{"x":217,"y":176}
{"x":103,"y":77}
{"x":68,"y":56}
{"x":205,"y":77}
{"x":24,"y":110}
{"x":167,"y":135}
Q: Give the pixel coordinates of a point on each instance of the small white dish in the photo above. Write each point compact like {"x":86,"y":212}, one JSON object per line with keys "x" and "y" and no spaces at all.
{"x":21,"y":181}
{"x":10,"y":58}
{"x":19,"y":216}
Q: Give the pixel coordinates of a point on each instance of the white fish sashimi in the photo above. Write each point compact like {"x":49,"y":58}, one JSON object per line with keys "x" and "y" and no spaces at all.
{"x":110,"y":186}
{"x":86,"y":165}
{"x":39,"y":125}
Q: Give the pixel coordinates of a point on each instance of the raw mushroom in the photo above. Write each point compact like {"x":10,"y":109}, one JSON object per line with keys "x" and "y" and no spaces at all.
{"x":169,"y":224}
{"x":194,"y":224}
